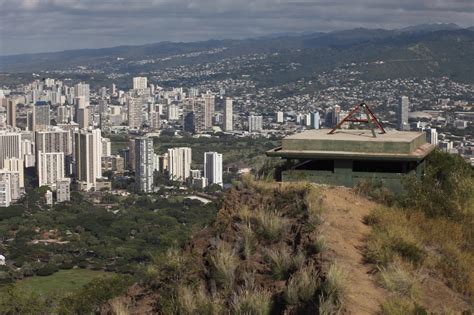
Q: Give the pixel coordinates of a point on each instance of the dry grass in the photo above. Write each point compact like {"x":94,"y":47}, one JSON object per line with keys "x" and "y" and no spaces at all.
{"x":334,"y":289}
{"x":270,"y":224}
{"x":119,"y":307}
{"x":400,"y":279}
{"x":252,"y":302}
{"x":249,"y":241}
{"x":283,"y":262}
{"x":302,"y":286}
{"x":401,"y":306}
{"x":196,"y":301}
{"x":438,"y":244}
{"x":224,"y":263}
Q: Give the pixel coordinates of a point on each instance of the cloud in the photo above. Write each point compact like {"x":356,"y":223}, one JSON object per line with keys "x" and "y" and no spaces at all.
{"x":47,"y":25}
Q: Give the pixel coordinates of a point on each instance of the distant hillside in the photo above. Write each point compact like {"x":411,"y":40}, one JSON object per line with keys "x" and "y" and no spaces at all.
{"x":425,"y":50}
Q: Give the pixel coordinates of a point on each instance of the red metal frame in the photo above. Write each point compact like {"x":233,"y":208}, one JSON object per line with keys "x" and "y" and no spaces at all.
{"x":371,"y":119}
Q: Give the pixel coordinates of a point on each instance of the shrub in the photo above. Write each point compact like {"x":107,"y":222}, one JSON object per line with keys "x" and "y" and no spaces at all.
{"x":399,"y":279}
{"x":224,"y":263}
{"x":47,"y":270}
{"x":302,"y":285}
{"x":252,"y":302}
{"x":282,"y":262}
{"x":446,"y":189}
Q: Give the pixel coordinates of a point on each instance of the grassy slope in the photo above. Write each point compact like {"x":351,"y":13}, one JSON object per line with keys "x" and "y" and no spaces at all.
{"x":63,"y":281}
{"x":261,"y":255}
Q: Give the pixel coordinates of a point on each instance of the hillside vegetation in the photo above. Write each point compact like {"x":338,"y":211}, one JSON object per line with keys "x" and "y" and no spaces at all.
{"x":259,"y":257}
{"x":425,"y":241}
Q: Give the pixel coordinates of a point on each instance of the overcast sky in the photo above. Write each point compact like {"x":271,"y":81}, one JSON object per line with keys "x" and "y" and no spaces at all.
{"x":50,"y":25}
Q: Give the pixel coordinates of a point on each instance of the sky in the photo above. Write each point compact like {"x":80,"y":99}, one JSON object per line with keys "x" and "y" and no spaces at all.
{"x":29,"y":26}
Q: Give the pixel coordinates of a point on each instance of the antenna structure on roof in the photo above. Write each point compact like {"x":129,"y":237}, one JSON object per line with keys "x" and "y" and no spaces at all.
{"x":371,"y":120}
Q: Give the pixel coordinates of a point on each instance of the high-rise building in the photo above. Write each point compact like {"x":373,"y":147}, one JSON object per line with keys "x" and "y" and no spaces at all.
{"x":279,"y":117}
{"x":255,"y":123}
{"x":134,"y":105}
{"x":88,"y":147}
{"x":5,"y":194}
{"x":13,"y":180}
{"x":63,"y":114}
{"x":106,"y":147}
{"x":63,"y":190}
{"x":315,"y":120}
{"x":402,"y":114}
{"x":144,"y":157}
{"x":11,"y":113}
{"x":54,"y":140}
{"x":209,"y":108}
{"x":173,"y":113}
{"x":82,"y":117}
{"x":432,"y":136}
{"x":41,"y":116}
{"x":154,"y":120}
{"x":228,"y":115}
{"x":140,"y":83}
{"x":10,"y":146}
{"x":213,"y":167}
{"x":179,"y":163}
{"x":16,"y":165}
{"x":50,"y":168}
{"x":82,"y":90}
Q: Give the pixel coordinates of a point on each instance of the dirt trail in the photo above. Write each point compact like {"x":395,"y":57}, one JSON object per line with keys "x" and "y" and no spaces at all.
{"x":345,"y":234}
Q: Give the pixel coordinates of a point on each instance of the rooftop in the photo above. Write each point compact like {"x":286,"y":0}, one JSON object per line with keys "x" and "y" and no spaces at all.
{"x":393,"y":145}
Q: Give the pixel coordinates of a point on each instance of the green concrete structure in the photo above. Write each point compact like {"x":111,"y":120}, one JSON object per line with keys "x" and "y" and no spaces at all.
{"x":349,"y":156}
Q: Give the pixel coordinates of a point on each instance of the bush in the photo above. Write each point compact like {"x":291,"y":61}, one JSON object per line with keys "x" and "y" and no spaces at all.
{"x":446,"y":189}
{"x":47,"y":270}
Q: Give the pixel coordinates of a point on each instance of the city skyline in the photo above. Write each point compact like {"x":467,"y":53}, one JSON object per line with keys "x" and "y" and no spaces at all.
{"x":26,"y":26}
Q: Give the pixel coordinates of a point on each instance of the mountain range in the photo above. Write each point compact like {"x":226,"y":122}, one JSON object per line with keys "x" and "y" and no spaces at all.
{"x":422,"y":50}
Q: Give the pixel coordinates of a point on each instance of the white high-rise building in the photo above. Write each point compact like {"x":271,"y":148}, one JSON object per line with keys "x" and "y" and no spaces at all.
{"x":140,"y":83}
{"x":50,"y":168}
{"x":144,"y":164}
{"x":432,"y":136}
{"x":16,"y":165}
{"x":13,"y":180}
{"x":82,"y":90}
{"x":228,"y":115}
{"x":10,"y":146}
{"x":179,"y":163}
{"x":402,"y":114}
{"x":279,"y":117}
{"x":88,"y":154}
{"x":173,"y":113}
{"x":255,"y":123}
{"x":134,"y":105}
{"x":213,"y":168}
